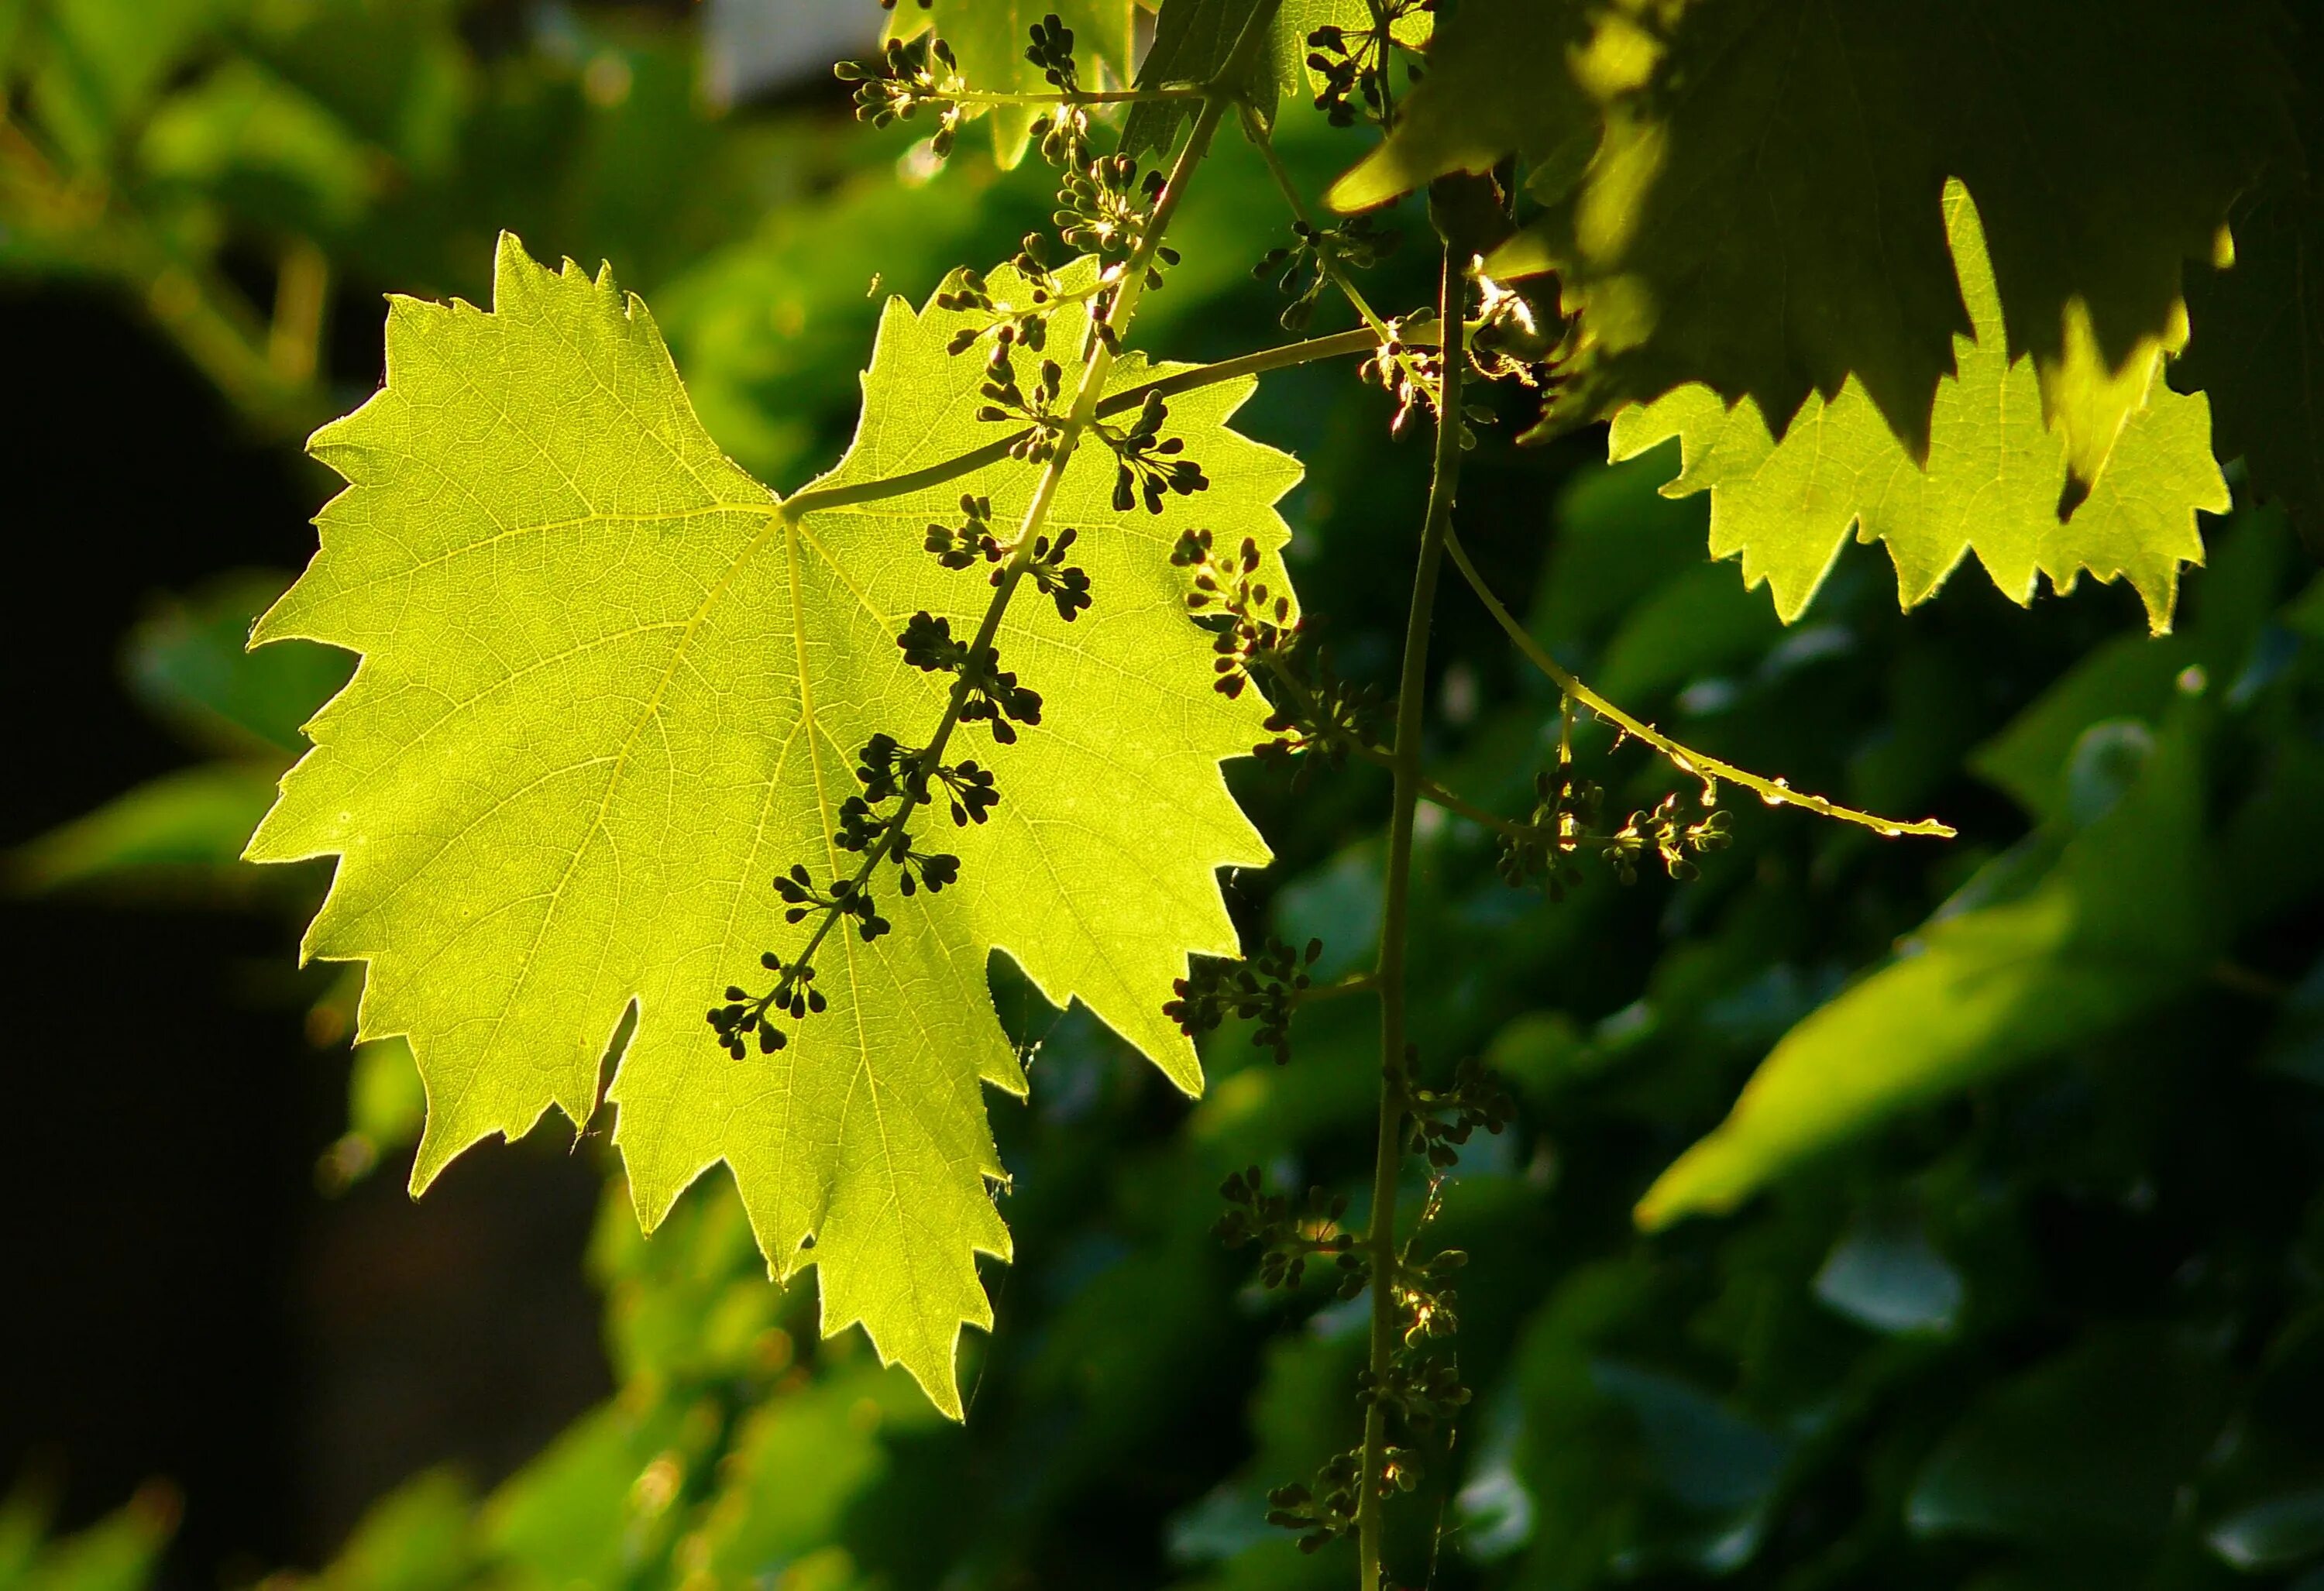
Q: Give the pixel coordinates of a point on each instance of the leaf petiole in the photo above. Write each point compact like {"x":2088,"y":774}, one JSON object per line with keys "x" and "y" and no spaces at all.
{"x":1337,"y":346}
{"x":1388,"y":1151}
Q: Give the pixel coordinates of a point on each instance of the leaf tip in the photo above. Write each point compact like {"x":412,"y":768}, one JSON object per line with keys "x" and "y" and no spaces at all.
{"x":509,"y":256}
{"x":1691,"y":1185}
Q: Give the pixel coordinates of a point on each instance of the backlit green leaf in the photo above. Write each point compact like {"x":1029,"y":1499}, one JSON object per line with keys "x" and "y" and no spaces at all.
{"x":609,"y":689}
{"x":987,"y":37}
{"x":1995,"y":476}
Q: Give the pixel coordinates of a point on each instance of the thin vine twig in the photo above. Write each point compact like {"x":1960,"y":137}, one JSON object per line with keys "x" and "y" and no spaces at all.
{"x":1083,"y":412}
{"x":1774,"y":792}
{"x":1388,"y":1151}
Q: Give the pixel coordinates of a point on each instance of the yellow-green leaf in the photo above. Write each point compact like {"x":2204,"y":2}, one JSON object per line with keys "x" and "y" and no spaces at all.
{"x":610,"y":687}
{"x":988,"y":37}
{"x":1996,"y":476}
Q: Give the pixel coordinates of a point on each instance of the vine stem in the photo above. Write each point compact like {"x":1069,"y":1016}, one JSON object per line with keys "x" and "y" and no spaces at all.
{"x":1083,"y":413}
{"x":1411,"y":705}
{"x":1685,"y":759}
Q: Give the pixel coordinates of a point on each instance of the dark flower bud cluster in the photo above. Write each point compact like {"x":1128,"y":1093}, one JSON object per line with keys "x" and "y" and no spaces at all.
{"x":845,"y":898}
{"x":1005,"y":320}
{"x":1104,"y":206}
{"x":793,"y":995}
{"x":1424,"y":1392}
{"x":1323,"y":1512}
{"x":1670,"y":836}
{"x":1004,"y":399}
{"x":992,"y":695}
{"x":1147,"y":464}
{"x":1562,"y":820}
{"x":1326,"y":1510}
{"x":1320,"y":722}
{"x":1264,"y":987}
{"x":1062,"y":133}
{"x":1303,"y":268}
{"x":1352,"y":63}
{"x":1440,"y":1120}
{"x":887,"y":769}
{"x":1289,"y":1236}
{"x":1008,"y":321}
{"x":1254,"y":636}
{"x":1252,"y":626}
{"x":866,"y":830}
{"x":959,"y":546}
{"x":910,"y":75}
{"x":1067,"y":586}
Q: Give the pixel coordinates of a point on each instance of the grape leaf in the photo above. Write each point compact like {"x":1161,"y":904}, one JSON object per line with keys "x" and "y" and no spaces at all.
{"x":1995,"y":477}
{"x":608,"y":690}
{"x":988,"y":37}
{"x":1740,"y":195}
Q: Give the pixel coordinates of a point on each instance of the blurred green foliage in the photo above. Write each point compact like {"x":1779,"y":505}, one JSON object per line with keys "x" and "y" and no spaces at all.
{"x":119,"y":1552}
{"x":2009,"y":1271}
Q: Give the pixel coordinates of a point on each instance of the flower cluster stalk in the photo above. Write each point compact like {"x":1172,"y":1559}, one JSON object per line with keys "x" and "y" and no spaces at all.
{"x":1080,"y":416}
{"x":1411,"y":703}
